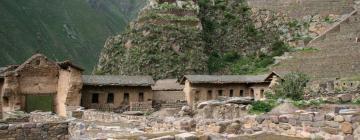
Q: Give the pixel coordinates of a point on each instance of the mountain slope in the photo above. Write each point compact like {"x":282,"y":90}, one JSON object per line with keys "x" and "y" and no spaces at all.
{"x":61,"y":29}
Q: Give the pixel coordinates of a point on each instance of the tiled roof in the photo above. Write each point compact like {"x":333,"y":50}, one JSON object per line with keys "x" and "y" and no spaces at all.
{"x":224,"y":79}
{"x":117,"y":80}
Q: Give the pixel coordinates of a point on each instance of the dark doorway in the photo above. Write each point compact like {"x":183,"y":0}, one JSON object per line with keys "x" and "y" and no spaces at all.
{"x":231,"y":93}
{"x":36,"y":102}
{"x":110,"y":98}
{"x":126,"y":98}
{"x":141,"y":96}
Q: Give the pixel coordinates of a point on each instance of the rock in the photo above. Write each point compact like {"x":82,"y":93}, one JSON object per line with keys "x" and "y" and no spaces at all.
{"x":339,"y":118}
{"x":347,"y":118}
{"x":346,"y":128}
{"x":233,"y":128}
{"x":332,"y":124}
{"x":338,"y":108}
{"x":207,"y":103}
{"x":355,"y":118}
{"x":285,"y":108}
{"x":306,"y":117}
{"x":330,"y":130}
{"x":185,"y":136}
{"x":349,"y":112}
{"x":329,"y":116}
{"x":345,"y":97}
{"x":260,"y":119}
{"x":134,"y":113}
{"x":4,"y":126}
{"x":284,"y":118}
{"x":164,"y":138}
{"x":285,"y":126}
{"x":318,"y":124}
{"x":312,"y":129}
{"x":274,"y":119}
{"x":319,"y":117}
{"x":239,"y":100}
{"x":186,"y":108}
{"x":349,"y":137}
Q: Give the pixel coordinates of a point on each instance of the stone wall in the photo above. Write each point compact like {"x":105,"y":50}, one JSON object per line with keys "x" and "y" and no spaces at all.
{"x":109,"y":117}
{"x":339,"y":124}
{"x":35,"y":131}
{"x":334,"y":55}
{"x":301,"y":8}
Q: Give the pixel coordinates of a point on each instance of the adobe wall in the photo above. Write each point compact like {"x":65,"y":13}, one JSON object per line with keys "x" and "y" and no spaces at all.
{"x":202,"y":89}
{"x":39,"y":76}
{"x":301,"y":8}
{"x":87,"y":92}
{"x":169,"y":96}
{"x":69,"y":86}
{"x":259,"y":90}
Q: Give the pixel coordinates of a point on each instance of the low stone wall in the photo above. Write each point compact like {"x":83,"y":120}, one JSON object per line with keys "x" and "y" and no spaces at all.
{"x":108,"y":117}
{"x":35,"y":131}
{"x":341,"y":124}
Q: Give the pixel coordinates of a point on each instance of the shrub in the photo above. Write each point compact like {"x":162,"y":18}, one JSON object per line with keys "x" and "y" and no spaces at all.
{"x":292,"y":86}
{"x":308,"y":103}
{"x":262,"y":106}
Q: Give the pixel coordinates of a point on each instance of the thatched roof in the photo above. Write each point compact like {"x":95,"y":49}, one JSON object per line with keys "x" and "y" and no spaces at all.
{"x":117,"y":80}
{"x":168,"y":85}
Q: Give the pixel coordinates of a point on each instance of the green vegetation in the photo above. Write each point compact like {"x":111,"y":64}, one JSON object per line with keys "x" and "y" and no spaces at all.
{"x":308,"y":50}
{"x":262,"y":106}
{"x":308,"y":103}
{"x":61,"y":29}
{"x":292,"y":86}
{"x":233,"y":40}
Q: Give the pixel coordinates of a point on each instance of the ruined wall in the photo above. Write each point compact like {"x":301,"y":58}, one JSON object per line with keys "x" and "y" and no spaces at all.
{"x":69,"y":86}
{"x":169,"y":96}
{"x":118,"y":92}
{"x":35,"y":131}
{"x":301,"y":8}
{"x":38,"y":76}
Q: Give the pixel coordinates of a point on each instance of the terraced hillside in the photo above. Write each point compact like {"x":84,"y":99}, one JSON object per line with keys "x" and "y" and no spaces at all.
{"x":164,"y":41}
{"x":334,"y":54}
{"x":61,"y":29}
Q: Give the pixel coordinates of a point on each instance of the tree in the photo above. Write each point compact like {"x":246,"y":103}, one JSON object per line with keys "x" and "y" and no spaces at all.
{"x":292,"y":86}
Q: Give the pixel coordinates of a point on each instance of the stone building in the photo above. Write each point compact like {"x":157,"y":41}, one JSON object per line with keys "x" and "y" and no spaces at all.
{"x":168,"y":90}
{"x":110,"y":92}
{"x":207,"y":87}
{"x":40,"y":84}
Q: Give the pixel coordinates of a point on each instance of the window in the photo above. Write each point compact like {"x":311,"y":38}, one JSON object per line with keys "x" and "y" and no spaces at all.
{"x":126,"y":98}
{"x":220,"y":93}
{"x":351,"y":84}
{"x":252,"y":93}
{"x":197,"y":96}
{"x":241,"y":93}
{"x":231,"y":93}
{"x":141,"y":97}
{"x":6,"y":101}
{"x":262,"y":93}
{"x":209,"y":94}
{"x":95,"y":98}
{"x":110,"y":98}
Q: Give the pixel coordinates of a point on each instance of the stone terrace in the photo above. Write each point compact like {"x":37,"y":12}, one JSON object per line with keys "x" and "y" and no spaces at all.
{"x":336,"y":53}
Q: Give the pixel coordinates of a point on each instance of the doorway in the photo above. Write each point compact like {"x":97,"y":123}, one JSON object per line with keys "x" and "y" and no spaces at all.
{"x":43,"y":103}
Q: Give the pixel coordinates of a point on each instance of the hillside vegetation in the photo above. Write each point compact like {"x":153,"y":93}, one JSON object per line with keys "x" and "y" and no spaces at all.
{"x":169,"y":40}
{"x":61,"y":29}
